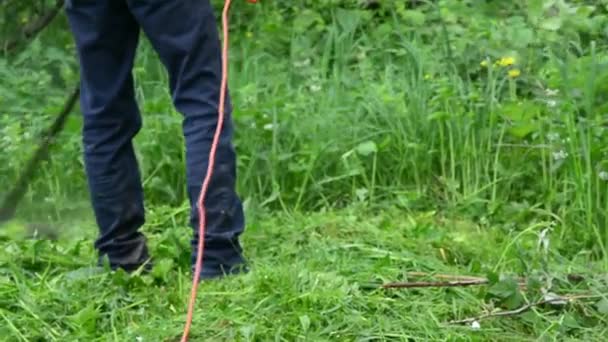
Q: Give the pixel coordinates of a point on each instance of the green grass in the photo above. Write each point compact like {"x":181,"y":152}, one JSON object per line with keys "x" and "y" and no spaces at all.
{"x":371,"y":143}
{"x":314,"y":277}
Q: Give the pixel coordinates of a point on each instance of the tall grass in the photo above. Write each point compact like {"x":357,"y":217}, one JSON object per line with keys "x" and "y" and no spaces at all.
{"x":340,"y":106}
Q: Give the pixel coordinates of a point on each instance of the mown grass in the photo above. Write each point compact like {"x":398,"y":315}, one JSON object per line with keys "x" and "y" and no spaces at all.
{"x":314,"y":277}
{"x":450,"y":139}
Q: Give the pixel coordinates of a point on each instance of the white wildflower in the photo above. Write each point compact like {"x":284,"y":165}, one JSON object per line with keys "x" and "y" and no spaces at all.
{"x":555,"y":299}
{"x":543,"y":239}
{"x":603,"y":175}
{"x":560,"y":155}
{"x":484,"y":221}
{"x":302,"y":63}
{"x":315,"y":88}
{"x":475,"y":325}
{"x":268,"y":127}
{"x":553,"y":136}
{"x":361,"y":55}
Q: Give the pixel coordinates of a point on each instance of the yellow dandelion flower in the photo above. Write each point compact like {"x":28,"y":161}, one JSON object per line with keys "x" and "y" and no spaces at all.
{"x":513,"y":73}
{"x":506,"y":61}
{"x":484,"y":63}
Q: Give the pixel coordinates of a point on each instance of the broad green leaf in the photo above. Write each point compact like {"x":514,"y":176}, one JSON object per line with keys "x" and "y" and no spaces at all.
{"x":522,"y":131}
{"x":367,"y":148}
{"x":515,"y":300}
{"x":569,"y":321}
{"x":86,"y":318}
{"x":602,"y":306}
{"x":414,"y":17}
{"x":305,"y":322}
{"x":551,"y":24}
{"x":162,"y":268}
{"x":505,"y":288}
{"x":522,"y":37}
{"x":305,"y":19}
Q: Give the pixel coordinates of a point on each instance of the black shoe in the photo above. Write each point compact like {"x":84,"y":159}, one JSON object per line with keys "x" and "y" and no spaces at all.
{"x":209,"y":273}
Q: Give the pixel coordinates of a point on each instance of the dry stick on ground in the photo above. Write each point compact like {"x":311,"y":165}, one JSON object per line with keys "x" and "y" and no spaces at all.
{"x":34,"y":28}
{"x":521,"y":309}
{"x":443,"y":276}
{"x":460,"y":283}
{"x":455,"y":281}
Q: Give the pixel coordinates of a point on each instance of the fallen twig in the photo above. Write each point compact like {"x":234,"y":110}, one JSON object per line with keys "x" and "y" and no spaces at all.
{"x":451,"y":281}
{"x":443,"y":276}
{"x":522,"y":309}
{"x":458,"y":280}
{"x":435,"y":284}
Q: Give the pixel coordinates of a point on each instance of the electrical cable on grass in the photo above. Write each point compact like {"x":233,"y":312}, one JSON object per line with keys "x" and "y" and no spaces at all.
{"x":208,"y":176}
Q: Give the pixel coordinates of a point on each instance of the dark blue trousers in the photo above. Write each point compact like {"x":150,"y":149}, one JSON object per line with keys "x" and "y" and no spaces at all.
{"x":185,"y":36}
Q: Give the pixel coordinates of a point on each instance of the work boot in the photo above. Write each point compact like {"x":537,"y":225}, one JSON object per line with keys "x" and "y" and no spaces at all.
{"x":214,"y":270}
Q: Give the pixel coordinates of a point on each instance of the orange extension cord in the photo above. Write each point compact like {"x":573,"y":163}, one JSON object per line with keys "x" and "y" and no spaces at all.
{"x":201,"y":208}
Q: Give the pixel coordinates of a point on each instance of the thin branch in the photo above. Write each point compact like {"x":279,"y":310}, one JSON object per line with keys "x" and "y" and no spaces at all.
{"x":34,"y":28}
{"x":460,"y":283}
{"x":521,"y":309}
{"x":11,"y":201}
{"x":449,"y":281}
{"x":459,"y":280}
{"x":443,"y":276}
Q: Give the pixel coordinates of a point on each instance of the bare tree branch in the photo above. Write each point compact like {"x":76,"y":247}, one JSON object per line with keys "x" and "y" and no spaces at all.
{"x":33,"y":29}
{"x":9,"y":206}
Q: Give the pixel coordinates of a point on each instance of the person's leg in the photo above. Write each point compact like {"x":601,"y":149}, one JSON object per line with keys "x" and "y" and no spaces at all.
{"x":185,"y":35}
{"x":106,"y":36}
